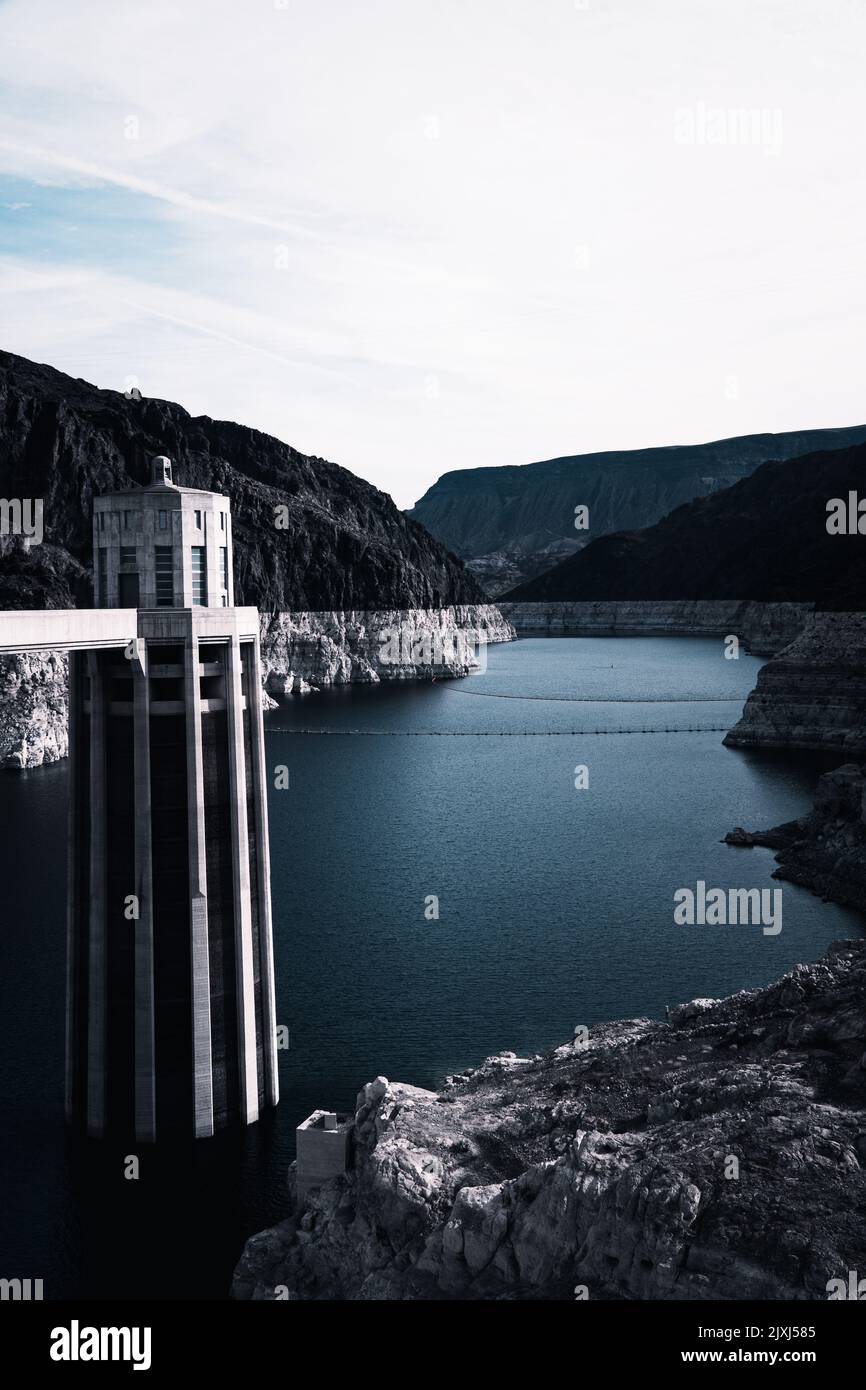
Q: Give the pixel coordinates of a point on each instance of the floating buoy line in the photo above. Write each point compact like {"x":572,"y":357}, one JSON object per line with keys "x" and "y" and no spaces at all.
{"x":491,"y":733}
{"x":615,"y":700}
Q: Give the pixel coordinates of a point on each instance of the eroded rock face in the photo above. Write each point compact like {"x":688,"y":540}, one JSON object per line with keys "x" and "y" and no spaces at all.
{"x":720,"y":1154}
{"x":305,"y":651}
{"x":825,"y":850}
{"x":300,"y":652}
{"x":813,"y":693}
{"x":33,"y":701}
{"x":765,"y":628}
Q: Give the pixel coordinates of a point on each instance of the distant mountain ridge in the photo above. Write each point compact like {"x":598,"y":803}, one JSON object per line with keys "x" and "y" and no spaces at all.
{"x":763,"y":539}
{"x":347,"y":546}
{"x":511,"y":523}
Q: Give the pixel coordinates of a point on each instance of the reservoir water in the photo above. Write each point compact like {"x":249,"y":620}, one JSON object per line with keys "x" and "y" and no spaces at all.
{"x":555,"y":908}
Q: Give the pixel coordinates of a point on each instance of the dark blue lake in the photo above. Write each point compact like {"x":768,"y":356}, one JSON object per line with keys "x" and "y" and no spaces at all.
{"x":555,"y":908}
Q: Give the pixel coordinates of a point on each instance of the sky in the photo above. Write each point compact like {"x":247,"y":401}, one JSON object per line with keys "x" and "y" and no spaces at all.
{"x":414,"y":237}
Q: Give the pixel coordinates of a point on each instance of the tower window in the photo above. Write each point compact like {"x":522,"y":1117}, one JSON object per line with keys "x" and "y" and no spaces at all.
{"x":164,"y":577}
{"x":224,"y":567}
{"x":222,"y":521}
{"x":163,"y":521}
{"x":198,"y":521}
{"x":102,"y":594}
{"x":126,"y":516}
{"x":199,"y":575}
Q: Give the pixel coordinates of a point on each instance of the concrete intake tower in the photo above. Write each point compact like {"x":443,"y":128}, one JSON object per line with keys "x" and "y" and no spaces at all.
{"x":170,"y":1024}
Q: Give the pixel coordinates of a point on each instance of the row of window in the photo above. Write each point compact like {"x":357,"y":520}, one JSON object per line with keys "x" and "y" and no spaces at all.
{"x":199,"y":576}
{"x":162,"y":520}
{"x":164,"y":576}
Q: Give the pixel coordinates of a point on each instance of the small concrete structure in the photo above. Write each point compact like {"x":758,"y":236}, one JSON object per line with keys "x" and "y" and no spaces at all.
{"x":323,"y":1149}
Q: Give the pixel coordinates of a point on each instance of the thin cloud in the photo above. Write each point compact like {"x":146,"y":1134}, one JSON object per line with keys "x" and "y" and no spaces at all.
{"x":151,"y":189}
{"x":229,"y":338}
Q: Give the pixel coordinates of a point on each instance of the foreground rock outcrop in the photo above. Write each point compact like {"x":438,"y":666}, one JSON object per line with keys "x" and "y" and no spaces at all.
{"x":765,"y":628}
{"x":812,"y":695}
{"x":719,"y":1154}
{"x":826,"y":849}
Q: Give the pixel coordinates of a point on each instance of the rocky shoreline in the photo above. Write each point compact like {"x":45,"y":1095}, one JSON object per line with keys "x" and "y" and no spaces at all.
{"x":764,"y":628}
{"x":812,"y":695}
{"x":300,"y":652}
{"x":720,"y":1154}
{"x":825,"y":850}
{"x":314,"y":651}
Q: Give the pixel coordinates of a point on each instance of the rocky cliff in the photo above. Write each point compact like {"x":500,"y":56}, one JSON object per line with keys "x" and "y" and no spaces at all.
{"x":824,"y":851}
{"x":511,"y":523}
{"x":813,"y":693}
{"x":304,"y":651}
{"x":718,"y":1155}
{"x":344,"y":545}
{"x":765,"y":538}
{"x":33,"y":709}
{"x":342,"y":559}
{"x":764,"y":628}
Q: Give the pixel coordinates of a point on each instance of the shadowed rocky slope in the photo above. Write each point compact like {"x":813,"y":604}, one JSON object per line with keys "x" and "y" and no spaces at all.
{"x":721,"y":1154}
{"x":346,"y":546}
{"x":511,"y":523}
{"x":764,"y":539}
{"x":347,"y":565}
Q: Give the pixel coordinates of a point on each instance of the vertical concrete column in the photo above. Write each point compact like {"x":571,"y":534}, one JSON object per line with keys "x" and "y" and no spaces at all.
{"x":181,"y":558}
{"x":211,"y":539}
{"x":96,"y":946}
{"x":189,"y":537}
{"x":73,"y":904}
{"x":263,"y":886}
{"x":113,"y":523}
{"x":146,"y":541}
{"x":199,"y":954}
{"x":145,"y":1033}
{"x":247,"y":1070}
